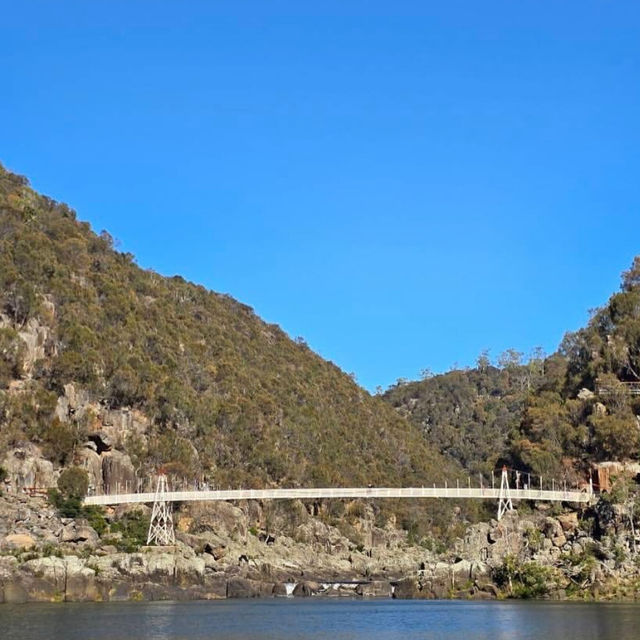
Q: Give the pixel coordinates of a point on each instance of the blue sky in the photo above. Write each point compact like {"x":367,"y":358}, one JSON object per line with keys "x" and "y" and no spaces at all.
{"x":403,"y":184}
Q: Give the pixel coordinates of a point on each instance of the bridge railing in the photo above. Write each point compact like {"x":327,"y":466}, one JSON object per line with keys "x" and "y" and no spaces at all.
{"x":346,"y":492}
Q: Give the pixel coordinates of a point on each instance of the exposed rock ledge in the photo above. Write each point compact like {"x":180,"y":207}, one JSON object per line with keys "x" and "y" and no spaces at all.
{"x":180,"y":574}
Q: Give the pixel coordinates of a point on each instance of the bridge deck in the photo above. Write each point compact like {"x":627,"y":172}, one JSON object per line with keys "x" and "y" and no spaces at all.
{"x":357,"y":492}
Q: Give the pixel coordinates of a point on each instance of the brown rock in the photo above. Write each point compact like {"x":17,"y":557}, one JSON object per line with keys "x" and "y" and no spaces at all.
{"x":306,"y":589}
{"x":19,"y":541}
{"x":79,"y":532}
{"x":14,"y":593}
{"x":407,"y":589}
{"x":243,"y":588}
{"x":568,"y":521}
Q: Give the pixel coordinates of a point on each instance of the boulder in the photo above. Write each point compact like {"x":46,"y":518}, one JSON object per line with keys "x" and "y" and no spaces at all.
{"x":243,"y":588}
{"x":18,"y":541}
{"x":79,"y":532}
{"x":568,"y":521}
{"x":221,"y":518}
{"x":306,"y":589}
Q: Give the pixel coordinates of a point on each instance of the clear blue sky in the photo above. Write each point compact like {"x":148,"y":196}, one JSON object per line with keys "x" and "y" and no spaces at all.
{"x":401,"y":183}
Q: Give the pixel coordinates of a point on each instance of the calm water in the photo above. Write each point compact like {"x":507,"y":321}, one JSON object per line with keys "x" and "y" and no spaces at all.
{"x":322,"y":619}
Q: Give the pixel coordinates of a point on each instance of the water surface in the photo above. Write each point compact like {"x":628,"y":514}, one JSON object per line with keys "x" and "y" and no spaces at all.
{"x":319,"y":619}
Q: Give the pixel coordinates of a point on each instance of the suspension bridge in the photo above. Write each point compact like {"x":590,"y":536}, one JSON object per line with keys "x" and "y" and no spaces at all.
{"x":161,"y":527}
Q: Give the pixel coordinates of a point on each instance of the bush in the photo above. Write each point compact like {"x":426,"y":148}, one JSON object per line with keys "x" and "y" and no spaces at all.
{"x":73,"y":482}
{"x":134,"y":528}
{"x":525,"y":580}
{"x":96,"y":519}
{"x":68,"y":507}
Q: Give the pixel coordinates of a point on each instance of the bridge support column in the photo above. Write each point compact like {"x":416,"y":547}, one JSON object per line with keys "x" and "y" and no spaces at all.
{"x":504,"y":502}
{"x":161,"y":525}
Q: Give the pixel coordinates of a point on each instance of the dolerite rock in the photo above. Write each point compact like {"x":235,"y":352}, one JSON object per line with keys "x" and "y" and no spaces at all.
{"x":375,"y":589}
{"x":156,"y":567}
{"x":79,"y":531}
{"x":244,"y":588}
{"x":49,"y":571}
{"x":92,"y":462}
{"x":221,"y":518}
{"x":13,"y":592}
{"x":407,"y":589}
{"x":26,"y":467}
{"x":215,"y":586}
{"x":568,"y":521}
{"x":306,"y":589}
{"x":35,"y":337}
{"x":484,"y":585}
{"x":189,"y":571}
{"x":461,"y":571}
{"x":553,"y":530}
{"x":118,"y":472}
{"x":80,"y":581}
{"x":18,"y":541}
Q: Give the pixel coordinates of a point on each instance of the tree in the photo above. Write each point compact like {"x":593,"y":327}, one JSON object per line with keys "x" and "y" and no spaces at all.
{"x":631,"y":278}
{"x":510,"y":359}
{"x":483,"y":362}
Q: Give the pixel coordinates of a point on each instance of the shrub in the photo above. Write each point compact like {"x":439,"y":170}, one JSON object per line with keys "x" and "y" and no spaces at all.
{"x":73,"y":482}
{"x":134,"y":528}
{"x":96,"y":519}
{"x":68,"y":507}
{"x":525,"y":580}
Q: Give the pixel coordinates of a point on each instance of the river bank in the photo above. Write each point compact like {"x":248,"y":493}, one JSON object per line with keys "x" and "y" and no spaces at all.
{"x":219,"y":554}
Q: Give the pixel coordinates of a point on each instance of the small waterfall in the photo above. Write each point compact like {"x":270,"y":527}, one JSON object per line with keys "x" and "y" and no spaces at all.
{"x":289,"y":586}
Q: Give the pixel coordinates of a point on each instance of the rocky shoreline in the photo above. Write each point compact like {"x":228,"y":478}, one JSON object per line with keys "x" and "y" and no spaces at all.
{"x":219,"y":554}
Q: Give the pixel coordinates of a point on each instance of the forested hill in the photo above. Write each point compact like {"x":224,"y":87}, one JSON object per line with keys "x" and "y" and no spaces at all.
{"x":555,"y":414}
{"x":221,"y":394}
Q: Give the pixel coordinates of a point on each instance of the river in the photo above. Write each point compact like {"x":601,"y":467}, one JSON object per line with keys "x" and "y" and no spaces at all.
{"x":320,"y":619}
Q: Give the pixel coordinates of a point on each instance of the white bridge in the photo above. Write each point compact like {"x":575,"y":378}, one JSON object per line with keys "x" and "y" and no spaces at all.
{"x":485,"y":493}
{"x":161,"y":526}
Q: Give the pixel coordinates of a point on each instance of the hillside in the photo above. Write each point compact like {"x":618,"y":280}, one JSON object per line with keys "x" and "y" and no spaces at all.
{"x":553,"y":415}
{"x":207,"y":389}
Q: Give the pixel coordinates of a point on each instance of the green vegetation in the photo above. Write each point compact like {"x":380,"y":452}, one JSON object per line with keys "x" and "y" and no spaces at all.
{"x":230,"y":399}
{"x":73,"y":482}
{"x":68,"y":507}
{"x":133,"y":528}
{"x":551,"y":415}
{"x":67,"y":499}
{"x":96,"y":519}
{"x":525,"y":580}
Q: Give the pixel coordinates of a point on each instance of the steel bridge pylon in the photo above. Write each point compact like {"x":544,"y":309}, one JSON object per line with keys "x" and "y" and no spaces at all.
{"x":161,"y":525}
{"x":504,"y":499}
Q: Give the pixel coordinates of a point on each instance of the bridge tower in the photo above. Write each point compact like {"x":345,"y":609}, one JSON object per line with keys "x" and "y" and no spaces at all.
{"x":161,"y":525}
{"x":504,"y":502}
